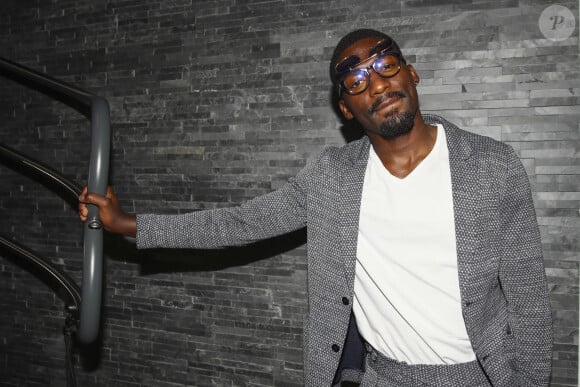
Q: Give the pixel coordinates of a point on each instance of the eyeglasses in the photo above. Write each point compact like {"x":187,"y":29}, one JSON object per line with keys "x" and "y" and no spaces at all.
{"x":354,"y":81}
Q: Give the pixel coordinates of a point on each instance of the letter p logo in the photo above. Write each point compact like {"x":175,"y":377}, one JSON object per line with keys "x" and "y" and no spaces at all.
{"x":557,"y":23}
{"x":558,"y":19}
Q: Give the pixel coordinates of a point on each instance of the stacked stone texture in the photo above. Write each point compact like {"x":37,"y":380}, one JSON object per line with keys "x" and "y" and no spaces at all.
{"x":214,"y":102}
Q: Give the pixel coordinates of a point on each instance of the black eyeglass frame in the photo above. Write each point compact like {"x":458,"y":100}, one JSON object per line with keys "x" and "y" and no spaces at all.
{"x":342,"y":75}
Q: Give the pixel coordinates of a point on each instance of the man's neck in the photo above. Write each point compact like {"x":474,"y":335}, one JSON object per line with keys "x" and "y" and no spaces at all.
{"x":402,"y":154}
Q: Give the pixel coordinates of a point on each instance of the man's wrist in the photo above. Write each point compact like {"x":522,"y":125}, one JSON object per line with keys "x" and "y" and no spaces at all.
{"x":128,"y":225}
{"x":131,"y":225}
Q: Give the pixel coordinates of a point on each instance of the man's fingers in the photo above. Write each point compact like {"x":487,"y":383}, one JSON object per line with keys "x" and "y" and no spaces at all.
{"x":108,"y":205}
{"x":110,"y":192}
{"x":82,"y":208}
{"x":83,"y":194}
{"x":96,"y":199}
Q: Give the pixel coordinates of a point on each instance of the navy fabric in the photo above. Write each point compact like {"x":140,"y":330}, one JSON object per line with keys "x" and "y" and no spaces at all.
{"x":353,"y":354}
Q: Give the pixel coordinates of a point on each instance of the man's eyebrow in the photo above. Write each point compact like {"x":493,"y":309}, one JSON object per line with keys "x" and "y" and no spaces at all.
{"x":380,"y":46}
{"x":347,"y":63}
{"x":350,"y":58}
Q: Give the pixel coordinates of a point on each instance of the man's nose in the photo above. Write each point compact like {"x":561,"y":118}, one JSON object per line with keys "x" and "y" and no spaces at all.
{"x":378,"y":84}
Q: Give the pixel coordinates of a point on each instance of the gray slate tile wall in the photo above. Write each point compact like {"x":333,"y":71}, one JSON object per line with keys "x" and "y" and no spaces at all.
{"x":214,"y":102}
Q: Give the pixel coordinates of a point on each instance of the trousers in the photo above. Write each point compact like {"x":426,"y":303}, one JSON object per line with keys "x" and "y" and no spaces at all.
{"x":381,"y":371}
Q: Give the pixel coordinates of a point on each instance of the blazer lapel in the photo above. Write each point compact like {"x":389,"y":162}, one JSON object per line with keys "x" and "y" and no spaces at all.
{"x":351,"y":185}
{"x":466,"y":205}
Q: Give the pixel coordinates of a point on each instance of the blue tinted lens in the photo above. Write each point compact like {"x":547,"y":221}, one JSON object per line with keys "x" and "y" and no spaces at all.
{"x":386,"y":65}
{"x":356,"y":81}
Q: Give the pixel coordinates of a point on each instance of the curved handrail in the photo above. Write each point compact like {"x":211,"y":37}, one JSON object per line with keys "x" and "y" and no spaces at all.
{"x":67,"y":93}
{"x":27,"y":164}
{"x":97,"y":109}
{"x":72,"y":190}
{"x":65,"y":282}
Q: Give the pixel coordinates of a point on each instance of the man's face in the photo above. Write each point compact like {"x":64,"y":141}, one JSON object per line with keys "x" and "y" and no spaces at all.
{"x":389,"y":105}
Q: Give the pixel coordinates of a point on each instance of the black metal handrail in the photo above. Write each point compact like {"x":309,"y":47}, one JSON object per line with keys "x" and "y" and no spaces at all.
{"x":28,"y":165}
{"x":65,"y":282}
{"x":97,"y":110}
{"x":72,"y":294}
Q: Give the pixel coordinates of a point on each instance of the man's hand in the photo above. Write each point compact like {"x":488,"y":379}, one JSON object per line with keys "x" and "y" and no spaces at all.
{"x":114,"y":219}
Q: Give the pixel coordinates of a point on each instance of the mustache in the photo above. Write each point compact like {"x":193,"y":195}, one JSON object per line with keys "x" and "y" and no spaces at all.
{"x":382,"y":98}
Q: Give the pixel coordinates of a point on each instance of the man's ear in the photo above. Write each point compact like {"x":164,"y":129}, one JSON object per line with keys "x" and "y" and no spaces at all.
{"x":345,"y":110}
{"x":414,"y":74}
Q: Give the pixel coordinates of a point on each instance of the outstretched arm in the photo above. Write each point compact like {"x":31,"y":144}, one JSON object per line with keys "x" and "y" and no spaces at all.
{"x":112,"y":216}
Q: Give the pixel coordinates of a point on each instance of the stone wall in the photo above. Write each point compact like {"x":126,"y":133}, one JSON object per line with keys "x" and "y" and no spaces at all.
{"x":216,"y":101}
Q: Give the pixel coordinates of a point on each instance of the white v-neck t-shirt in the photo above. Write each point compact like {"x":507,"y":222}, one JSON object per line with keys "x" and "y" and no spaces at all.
{"x":406,"y":292}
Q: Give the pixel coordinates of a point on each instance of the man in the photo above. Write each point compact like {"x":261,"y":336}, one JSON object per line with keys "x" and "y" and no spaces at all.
{"x":421,"y":237}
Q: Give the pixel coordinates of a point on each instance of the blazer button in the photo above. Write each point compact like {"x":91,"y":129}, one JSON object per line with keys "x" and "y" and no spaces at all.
{"x":335,"y":347}
{"x":345,"y":301}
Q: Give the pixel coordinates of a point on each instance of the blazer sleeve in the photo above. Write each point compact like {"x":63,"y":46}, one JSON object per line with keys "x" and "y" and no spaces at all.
{"x":523,"y":279}
{"x":273,"y":214}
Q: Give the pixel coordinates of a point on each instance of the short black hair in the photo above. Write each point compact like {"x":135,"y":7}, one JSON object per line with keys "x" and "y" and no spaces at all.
{"x":350,"y":39}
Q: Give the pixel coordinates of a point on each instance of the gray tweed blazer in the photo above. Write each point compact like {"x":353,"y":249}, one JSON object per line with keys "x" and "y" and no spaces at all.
{"x":501,"y":274}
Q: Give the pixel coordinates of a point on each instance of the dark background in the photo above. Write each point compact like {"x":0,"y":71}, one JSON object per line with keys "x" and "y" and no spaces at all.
{"x":214,"y":102}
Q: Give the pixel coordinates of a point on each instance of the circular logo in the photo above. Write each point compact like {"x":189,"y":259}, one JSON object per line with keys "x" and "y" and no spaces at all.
{"x":557,"y":22}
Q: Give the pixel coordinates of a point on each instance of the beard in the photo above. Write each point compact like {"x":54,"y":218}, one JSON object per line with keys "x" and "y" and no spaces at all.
{"x":397,"y":125}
